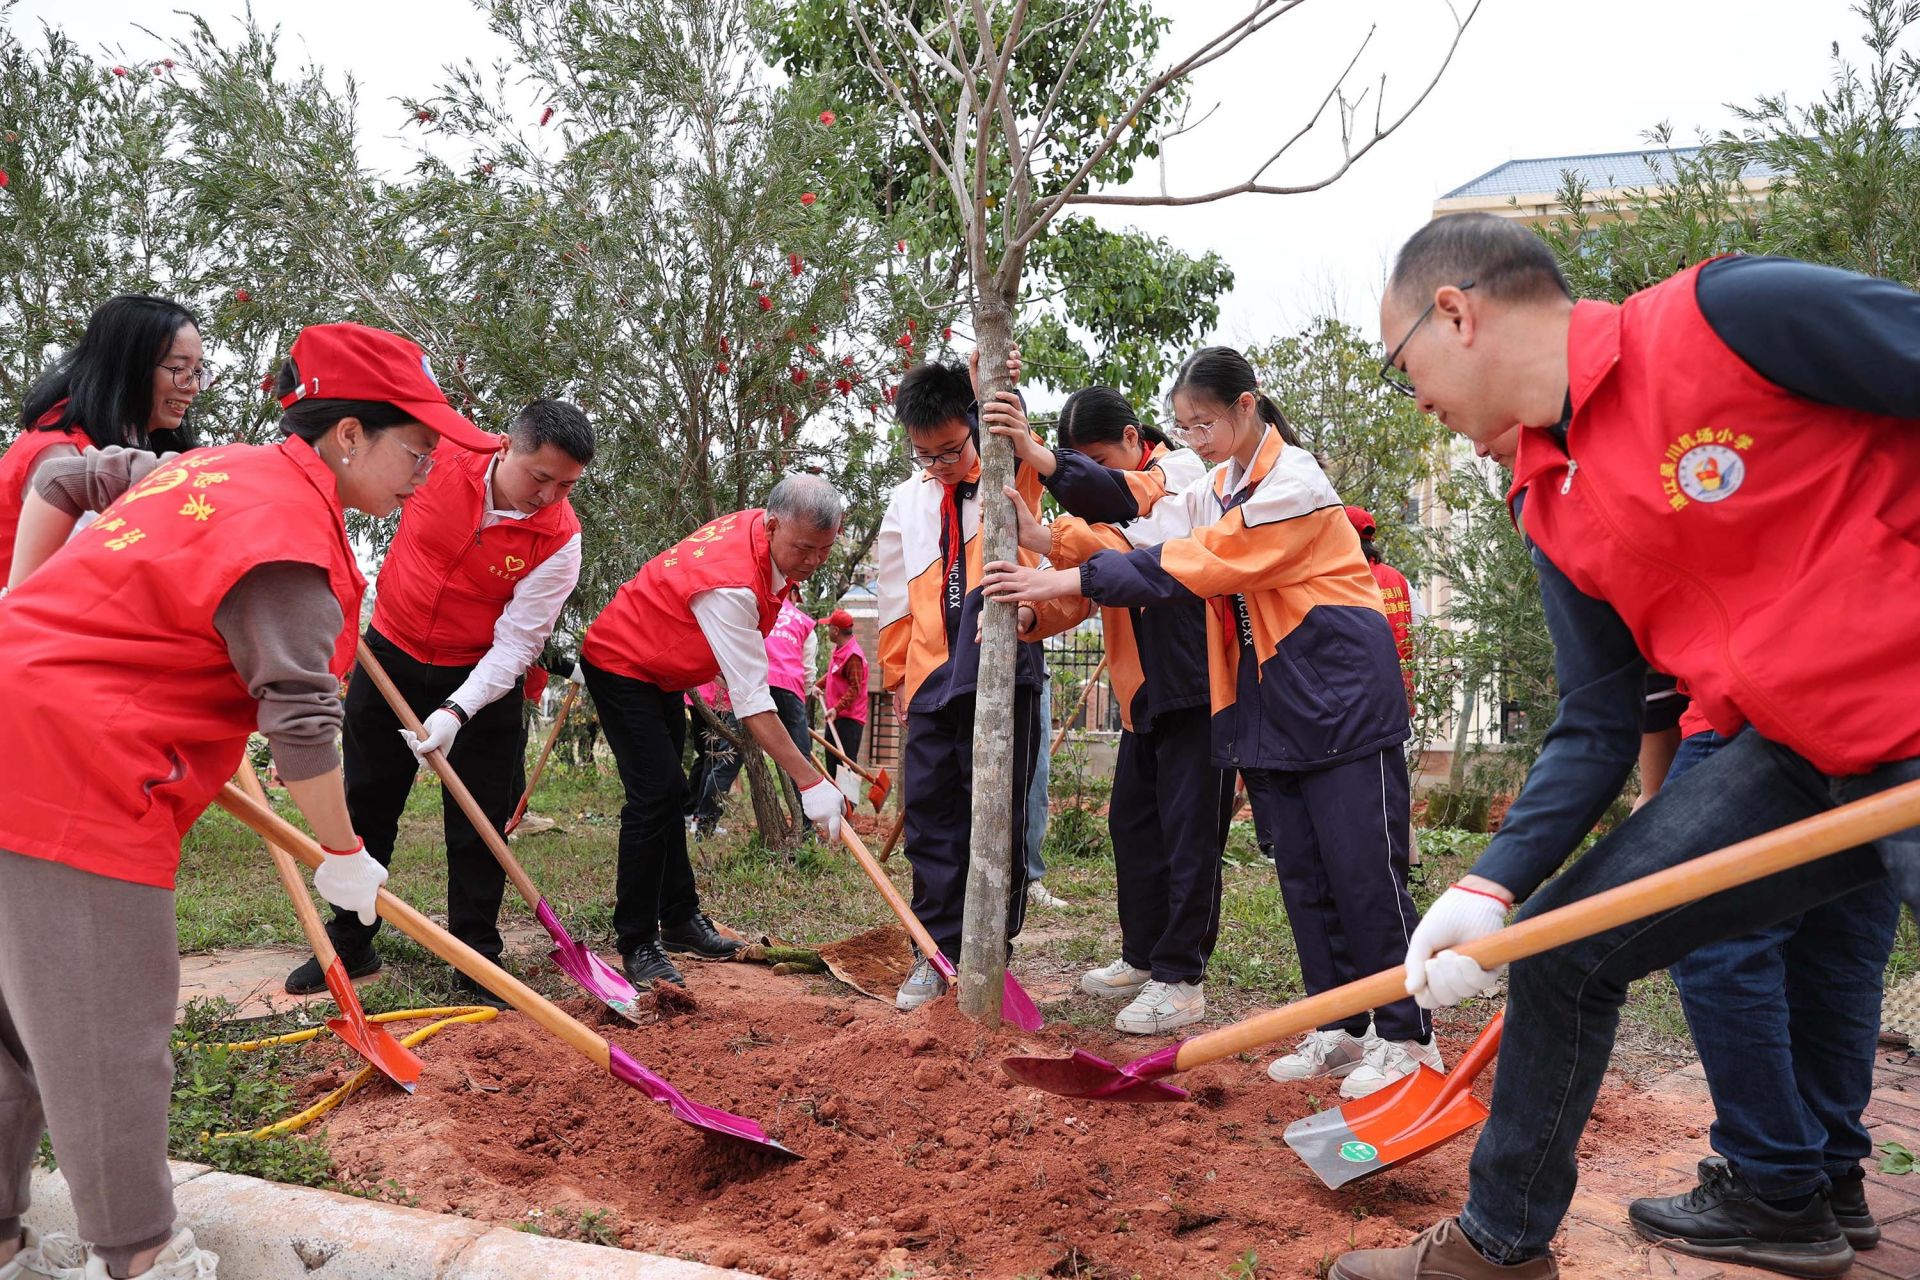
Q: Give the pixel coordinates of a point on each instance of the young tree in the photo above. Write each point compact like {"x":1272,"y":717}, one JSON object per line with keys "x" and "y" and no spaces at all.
{"x":1004,"y":176}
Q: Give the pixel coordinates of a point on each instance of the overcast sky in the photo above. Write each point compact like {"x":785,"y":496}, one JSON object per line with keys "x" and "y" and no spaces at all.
{"x":1530,"y":79}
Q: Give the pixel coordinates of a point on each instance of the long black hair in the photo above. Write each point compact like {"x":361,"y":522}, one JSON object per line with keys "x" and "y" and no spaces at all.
{"x":313,"y":417}
{"x":1224,"y":375}
{"x":1101,"y":415}
{"x":107,"y":380}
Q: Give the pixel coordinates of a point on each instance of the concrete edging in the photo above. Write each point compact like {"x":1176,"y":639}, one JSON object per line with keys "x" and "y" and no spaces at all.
{"x":267,"y":1231}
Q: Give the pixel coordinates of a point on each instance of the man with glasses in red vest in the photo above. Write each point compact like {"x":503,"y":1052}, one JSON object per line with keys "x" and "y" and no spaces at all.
{"x":486,"y":554}
{"x":1720,"y":477}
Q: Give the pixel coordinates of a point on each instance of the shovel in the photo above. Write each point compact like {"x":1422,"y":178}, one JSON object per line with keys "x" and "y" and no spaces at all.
{"x":374,"y":1043}
{"x":1078,"y":703}
{"x":595,"y":976}
{"x":546,"y":749}
{"x":893,"y":836}
{"x":878,"y":788}
{"x":609,"y":1057}
{"x":1402,"y":1122}
{"x":1862,"y":822}
{"x":1017,"y":1006}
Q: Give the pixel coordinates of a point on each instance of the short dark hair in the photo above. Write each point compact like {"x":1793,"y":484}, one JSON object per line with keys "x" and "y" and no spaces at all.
{"x":1503,"y":259}
{"x":932,"y":395}
{"x":557,"y":423}
{"x":107,"y":378}
{"x":313,"y":417}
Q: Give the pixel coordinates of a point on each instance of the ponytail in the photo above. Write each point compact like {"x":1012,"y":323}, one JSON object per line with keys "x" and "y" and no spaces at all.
{"x":1271,"y":415}
{"x":1224,"y":375}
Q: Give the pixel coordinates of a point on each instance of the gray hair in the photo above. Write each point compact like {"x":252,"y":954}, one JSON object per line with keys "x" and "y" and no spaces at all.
{"x":807,"y":498}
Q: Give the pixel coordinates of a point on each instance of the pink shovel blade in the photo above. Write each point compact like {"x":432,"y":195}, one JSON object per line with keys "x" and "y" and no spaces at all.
{"x":1085,"y":1076}
{"x":1015,"y":1004}
{"x":594,"y":975}
{"x":711,"y":1119}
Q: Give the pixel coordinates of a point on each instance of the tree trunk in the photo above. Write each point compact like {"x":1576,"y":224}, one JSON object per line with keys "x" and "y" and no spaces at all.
{"x":983,"y":938}
{"x":1457,"y":767}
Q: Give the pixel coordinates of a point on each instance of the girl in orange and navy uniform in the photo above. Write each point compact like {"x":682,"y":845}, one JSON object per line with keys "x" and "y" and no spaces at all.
{"x":1306,"y":693}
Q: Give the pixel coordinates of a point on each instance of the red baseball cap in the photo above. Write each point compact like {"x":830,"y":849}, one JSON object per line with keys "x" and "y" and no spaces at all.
{"x":840,"y":618}
{"x":1362,"y":522}
{"x":356,"y":362}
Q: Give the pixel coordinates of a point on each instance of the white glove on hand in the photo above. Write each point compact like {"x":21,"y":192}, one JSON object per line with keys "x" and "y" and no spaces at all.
{"x":350,"y":880}
{"x":440,"y":727}
{"x":822,"y":803}
{"x":1458,"y":916}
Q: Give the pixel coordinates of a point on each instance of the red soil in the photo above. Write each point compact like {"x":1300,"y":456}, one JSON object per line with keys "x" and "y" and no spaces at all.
{"x":920,"y":1154}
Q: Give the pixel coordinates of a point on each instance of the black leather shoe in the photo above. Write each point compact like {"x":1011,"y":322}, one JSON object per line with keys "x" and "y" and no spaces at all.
{"x":471,"y":992}
{"x":647,"y":964}
{"x":1848,"y":1196}
{"x":1722,"y":1218}
{"x":310,"y":978}
{"x":697,"y":936}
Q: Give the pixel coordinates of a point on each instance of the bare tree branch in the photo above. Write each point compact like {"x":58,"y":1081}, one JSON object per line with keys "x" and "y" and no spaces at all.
{"x":1066,"y":73}
{"x":877,"y":66}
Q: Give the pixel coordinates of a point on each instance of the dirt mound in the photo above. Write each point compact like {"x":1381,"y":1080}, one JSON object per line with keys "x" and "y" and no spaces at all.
{"x":873,"y":963}
{"x":920,"y":1154}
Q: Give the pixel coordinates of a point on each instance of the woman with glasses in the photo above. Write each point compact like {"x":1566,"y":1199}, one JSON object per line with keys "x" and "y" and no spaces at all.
{"x":130,"y":382}
{"x":1306,"y":692}
{"x":217,"y":594}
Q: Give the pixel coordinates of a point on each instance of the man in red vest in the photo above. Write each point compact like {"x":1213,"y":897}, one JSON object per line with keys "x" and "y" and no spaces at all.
{"x":1402,"y":605}
{"x":701,"y":608}
{"x":487,"y":552}
{"x":1721,"y":474}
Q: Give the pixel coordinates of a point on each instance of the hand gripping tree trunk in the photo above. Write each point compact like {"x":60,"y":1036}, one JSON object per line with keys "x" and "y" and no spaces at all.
{"x":996,"y":774}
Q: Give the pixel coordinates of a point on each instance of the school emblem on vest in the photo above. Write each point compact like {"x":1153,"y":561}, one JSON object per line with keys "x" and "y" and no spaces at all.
{"x":1704,"y":466}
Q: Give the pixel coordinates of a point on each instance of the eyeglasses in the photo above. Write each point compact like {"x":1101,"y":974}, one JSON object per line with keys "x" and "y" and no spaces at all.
{"x":1194,"y":434}
{"x":191,"y":377}
{"x":1390,"y":372}
{"x":422,"y":462}
{"x":945,"y":459}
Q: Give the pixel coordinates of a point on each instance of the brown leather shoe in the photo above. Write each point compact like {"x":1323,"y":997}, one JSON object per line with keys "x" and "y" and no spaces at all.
{"x":1441,"y":1252}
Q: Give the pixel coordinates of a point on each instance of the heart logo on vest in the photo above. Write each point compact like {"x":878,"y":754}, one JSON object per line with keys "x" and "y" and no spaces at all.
{"x":1711,"y":472}
{"x":514,"y":564}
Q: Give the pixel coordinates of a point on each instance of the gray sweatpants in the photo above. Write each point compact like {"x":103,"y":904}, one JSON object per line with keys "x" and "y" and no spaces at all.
{"x":89,"y":977}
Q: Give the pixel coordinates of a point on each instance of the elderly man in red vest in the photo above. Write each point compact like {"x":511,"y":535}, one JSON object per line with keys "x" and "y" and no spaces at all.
{"x":1721,"y":474}
{"x":703,"y":607}
{"x":487,"y":552}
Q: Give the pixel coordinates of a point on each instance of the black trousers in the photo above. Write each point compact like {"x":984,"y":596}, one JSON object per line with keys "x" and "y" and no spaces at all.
{"x":1168,"y":818}
{"x":938,"y":783}
{"x":1338,"y":839}
{"x":849,"y":732}
{"x":793,"y":714}
{"x":646,"y":728}
{"x":489,"y":756}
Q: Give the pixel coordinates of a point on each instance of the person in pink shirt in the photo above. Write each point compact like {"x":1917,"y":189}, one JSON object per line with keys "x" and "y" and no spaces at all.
{"x":843,"y":690}
{"x":787,"y":670}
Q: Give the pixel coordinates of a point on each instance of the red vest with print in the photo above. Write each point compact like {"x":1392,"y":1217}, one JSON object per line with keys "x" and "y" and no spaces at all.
{"x":1761,"y":547}
{"x":649,"y":633}
{"x":16,"y":466}
{"x":1399,"y":600}
{"x":446,"y":580}
{"x":121,"y":715}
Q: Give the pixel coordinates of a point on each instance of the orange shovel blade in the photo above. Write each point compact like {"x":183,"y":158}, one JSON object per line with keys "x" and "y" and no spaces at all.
{"x":1386,"y":1129}
{"x":882,"y":788}
{"x":371,"y":1041}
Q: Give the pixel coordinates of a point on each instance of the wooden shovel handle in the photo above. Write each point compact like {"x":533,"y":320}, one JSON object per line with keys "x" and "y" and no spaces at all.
{"x":910,"y":921}
{"x":893,"y":836}
{"x":296,"y":842}
{"x":1847,"y":827}
{"x":546,"y":749}
{"x":1078,"y":703}
{"x":290,"y":878}
{"x":842,"y":757}
{"x":437,"y":761}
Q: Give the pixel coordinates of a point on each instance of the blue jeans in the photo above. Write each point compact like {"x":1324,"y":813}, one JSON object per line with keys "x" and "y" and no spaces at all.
{"x":1786,"y":1020}
{"x":1563,"y":1007}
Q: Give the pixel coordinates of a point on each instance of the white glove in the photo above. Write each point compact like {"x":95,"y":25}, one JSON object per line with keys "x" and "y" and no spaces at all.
{"x":822,"y":803}
{"x":1456,"y":917}
{"x":350,"y":880}
{"x":440,"y":727}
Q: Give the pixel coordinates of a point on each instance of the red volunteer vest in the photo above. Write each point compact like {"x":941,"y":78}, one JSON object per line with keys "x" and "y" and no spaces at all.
{"x":1761,"y":547}
{"x":16,"y":465}
{"x":446,"y":580}
{"x":1399,"y":601}
{"x":648,"y":632}
{"x":120,"y":712}
{"x":838,"y":684}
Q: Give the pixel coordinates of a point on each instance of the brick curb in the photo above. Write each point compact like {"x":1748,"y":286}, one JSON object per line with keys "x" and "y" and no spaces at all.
{"x":267,"y":1231}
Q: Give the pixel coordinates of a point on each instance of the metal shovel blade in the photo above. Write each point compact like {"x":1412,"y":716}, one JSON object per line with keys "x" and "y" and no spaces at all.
{"x":595,"y":976}
{"x":371,"y":1041}
{"x":711,"y":1119}
{"x":1016,"y":1006}
{"x":1342,"y":1148}
{"x":1085,"y":1076}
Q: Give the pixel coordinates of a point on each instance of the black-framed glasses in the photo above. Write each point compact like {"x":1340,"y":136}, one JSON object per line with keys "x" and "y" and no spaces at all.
{"x":924,"y":461}
{"x":190,"y":377}
{"x":1390,"y":372}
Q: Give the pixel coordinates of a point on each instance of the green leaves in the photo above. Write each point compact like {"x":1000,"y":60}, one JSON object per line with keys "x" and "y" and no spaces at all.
{"x":1895,"y":1158}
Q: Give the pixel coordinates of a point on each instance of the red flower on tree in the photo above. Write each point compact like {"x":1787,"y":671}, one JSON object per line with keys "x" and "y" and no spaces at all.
{"x":120,"y":71}
{"x":241,"y":295}
{"x":766,"y":303}
{"x":798,"y":374}
{"x":796,"y":263}
{"x":423,"y":115}
{"x":4,"y":179}
{"x":546,"y":115}
{"x":807,"y":197}
{"x":827,"y":118}
{"x":842,"y":386}
{"x":721,"y":366}
{"x":726,"y":348}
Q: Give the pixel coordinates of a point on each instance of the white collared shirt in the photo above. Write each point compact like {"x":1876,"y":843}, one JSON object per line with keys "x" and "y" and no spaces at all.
{"x":729,"y":618}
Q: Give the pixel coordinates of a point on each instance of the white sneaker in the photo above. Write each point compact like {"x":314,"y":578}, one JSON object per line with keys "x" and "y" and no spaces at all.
{"x":56,"y":1256}
{"x":1117,"y":981}
{"x":180,"y":1259}
{"x":1163,"y":1006}
{"x":922,"y":985}
{"x":1038,"y":895}
{"x":1387,"y":1061}
{"x":1328,"y":1054}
